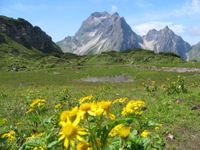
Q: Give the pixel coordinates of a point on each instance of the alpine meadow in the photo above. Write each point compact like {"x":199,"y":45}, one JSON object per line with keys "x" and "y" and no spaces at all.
{"x":114,"y":84}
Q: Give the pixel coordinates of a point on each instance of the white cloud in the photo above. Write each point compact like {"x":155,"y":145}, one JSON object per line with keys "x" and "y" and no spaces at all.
{"x":114,"y":8}
{"x":194,"y":31}
{"x":143,"y":28}
{"x":190,"y":8}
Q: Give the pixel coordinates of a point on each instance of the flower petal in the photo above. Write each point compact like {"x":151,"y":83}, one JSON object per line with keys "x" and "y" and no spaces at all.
{"x":76,"y":121}
{"x":72,"y":144}
{"x":61,"y":138}
{"x":82,"y":132}
{"x":66,"y":143}
{"x":79,"y":138}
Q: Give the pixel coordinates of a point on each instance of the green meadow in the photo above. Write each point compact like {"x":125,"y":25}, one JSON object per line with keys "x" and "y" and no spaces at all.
{"x":178,"y":112}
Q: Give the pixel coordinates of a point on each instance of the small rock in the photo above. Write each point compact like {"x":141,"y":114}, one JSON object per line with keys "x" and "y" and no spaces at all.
{"x":196,"y":107}
{"x":170,"y":137}
{"x":179,"y":101}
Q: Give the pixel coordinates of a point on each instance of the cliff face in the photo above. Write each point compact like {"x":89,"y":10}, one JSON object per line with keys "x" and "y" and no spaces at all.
{"x":165,"y":40}
{"x":101,"y":32}
{"x":29,"y":36}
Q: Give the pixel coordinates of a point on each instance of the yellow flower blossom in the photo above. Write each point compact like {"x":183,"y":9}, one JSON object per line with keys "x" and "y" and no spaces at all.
{"x":88,"y":108}
{"x":83,"y":146}
{"x":120,"y":130}
{"x":36,"y":135}
{"x":9,"y":135}
{"x":83,"y":99}
{"x":158,"y":127}
{"x":96,"y":109}
{"x":37,"y":103}
{"x":145,"y":133}
{"x":120,"y":100}
{"x":71,"y":114}
{"x":39,"y":148}
{"x":70,"y":132}
{"x":58,"y":106}
{"x":133,"y":107}
{"x":124,"y":132}
{"x":29,"y":110}
{"x":115,"y":130}
{"x":105,"y":106}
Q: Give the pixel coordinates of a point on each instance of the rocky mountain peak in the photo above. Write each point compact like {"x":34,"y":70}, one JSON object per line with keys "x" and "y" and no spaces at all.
{"x":165,"y":40}
{"x":166,"y":28}
{"x":101,"y":32}
{"x":100,"y":14}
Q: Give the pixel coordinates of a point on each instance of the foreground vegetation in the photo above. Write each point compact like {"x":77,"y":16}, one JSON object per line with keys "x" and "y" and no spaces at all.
{"x":171,"y":102}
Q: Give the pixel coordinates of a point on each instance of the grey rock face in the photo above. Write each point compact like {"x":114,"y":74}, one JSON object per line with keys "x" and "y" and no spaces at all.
{"x":99,"y":33}
{"x":196,"y":46}
{"x":165,"y":40}
{"x":194,"y":53}
{"x":30,"y":36}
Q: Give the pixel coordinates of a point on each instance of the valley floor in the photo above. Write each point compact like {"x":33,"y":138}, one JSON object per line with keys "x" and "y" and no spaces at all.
{"x":178,"y":112}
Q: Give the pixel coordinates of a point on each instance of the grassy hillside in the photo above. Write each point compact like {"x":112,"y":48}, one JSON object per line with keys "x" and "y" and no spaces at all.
{"x":15,"y":55}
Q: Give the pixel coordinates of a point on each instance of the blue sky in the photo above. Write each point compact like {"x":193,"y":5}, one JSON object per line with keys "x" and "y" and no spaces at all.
{"x":60,"y":18}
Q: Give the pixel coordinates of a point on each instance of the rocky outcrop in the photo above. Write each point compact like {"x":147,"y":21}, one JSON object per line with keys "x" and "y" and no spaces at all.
{"x":29,"y":36}
{"x":167,"y":41}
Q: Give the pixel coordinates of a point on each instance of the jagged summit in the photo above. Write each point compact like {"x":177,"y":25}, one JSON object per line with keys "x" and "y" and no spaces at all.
{"x":101,"y":32}
{"x":165,"y":40}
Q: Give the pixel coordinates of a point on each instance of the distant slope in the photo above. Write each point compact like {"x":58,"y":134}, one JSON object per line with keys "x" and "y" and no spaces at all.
{"x":131,"y":56}
{"x":23,"y":46}
{"x":16,"y":57}
{"x":194,"y":53}
{"x":31,"y":37}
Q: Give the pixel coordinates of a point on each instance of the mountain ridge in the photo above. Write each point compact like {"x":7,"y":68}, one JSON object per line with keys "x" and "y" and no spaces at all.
{"x":101,"y":32}
{"x":23,"y":32}
{"x":164,"y":40}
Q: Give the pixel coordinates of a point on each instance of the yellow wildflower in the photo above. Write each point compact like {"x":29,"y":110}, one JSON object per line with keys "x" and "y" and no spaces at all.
{"x":83,"y":99}
{"x":83,"y":146}
{"x":88,"y":108}
{"x":158,"y":127}
{"x":57,"y":106}
{"x":120,"y":100}
{"x":36,"y":135}
{"x":71,"y":132}
{"x":39,"y":148}
{"x":30,"y":110}
{"x":9,"y":135}
{"x":115,"y":130}
{"x":124,"y":132}
{"x":133,"y":107}
{"x":120,"y":130}
{"x":145,"y":133}
{"x":71,"y":114}
{"x":37,"y":103}
{"x":105,"y":106}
